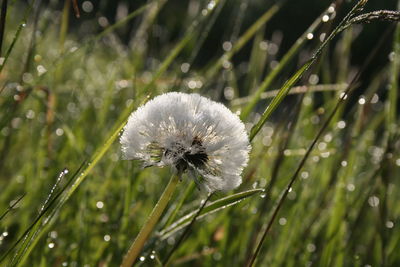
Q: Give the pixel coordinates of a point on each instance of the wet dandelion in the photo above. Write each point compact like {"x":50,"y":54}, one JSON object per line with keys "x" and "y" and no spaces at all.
{"x":191,"y":134}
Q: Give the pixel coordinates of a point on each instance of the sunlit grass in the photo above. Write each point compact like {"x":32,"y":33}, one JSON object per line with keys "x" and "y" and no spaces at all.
{"x":65,"y":98}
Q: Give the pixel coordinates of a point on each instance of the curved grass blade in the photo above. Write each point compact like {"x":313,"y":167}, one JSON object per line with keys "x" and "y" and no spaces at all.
{"x":379,"y":15}
{"x":209,"y":209}
{"x":283,"y":63}
{"x":296,"y":77}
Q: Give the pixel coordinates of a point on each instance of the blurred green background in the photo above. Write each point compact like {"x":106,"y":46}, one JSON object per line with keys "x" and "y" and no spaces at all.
{"x":68,"y":83}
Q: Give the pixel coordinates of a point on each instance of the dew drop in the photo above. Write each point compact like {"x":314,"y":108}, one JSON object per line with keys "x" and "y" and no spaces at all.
{"x":100,"y":204}
{"x":322,"y":37}
{"x":53,"y":234}
{"x":373,"y":201}
{"x":389,"y":224}
{"x":87,"y":6}
{"x":229,"y":93}
{"x":211,"y":5}
{"x":107,"y":238}
{"x":304,"y":175}
{"x":375,"y":99}
{"x":311,"y":247}
{"x":185,"y":67}
{"x":350,"y":187}
{"x":59,"y":132}
{"x":314,"y":79}
{"x":341,"y":124}
{"x":322,"y":146}
{"x":227,"y":46}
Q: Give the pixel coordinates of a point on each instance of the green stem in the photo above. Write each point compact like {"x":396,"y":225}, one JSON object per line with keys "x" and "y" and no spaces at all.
{"x":148,"y":227}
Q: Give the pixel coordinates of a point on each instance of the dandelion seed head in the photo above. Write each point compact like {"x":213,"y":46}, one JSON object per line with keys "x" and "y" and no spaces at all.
{"x":190,"y":133}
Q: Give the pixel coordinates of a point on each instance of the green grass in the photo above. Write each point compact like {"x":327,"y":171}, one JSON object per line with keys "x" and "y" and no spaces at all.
{"x":65,"y":96}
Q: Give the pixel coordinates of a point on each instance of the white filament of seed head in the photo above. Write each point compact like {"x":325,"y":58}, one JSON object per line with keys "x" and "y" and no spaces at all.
{"x":173,"y":125}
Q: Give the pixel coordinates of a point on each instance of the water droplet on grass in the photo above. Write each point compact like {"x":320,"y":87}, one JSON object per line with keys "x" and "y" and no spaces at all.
{"x":107,"y":238}
{"x":211,"y":5}
{"x":100,"y":204}
{"x":311,"y":247}
{"x":389,"y":224}
{"x":373,"y":201}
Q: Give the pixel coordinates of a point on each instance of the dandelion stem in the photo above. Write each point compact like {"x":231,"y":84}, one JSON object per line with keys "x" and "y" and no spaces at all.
{"x":148,"y":227}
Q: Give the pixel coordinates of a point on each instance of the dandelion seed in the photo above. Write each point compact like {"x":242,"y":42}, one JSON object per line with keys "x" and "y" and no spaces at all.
{"x":190,"y":133}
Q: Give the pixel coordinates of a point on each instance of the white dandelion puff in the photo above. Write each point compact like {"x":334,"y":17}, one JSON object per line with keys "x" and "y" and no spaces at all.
{"x":190,"y":133}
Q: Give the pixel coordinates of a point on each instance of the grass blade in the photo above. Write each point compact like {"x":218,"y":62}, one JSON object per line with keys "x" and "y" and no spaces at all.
{"x":283,"y":63}
{"x":310,"y":148}
{"x":209,"y":209}
{"x":243,"y":40}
